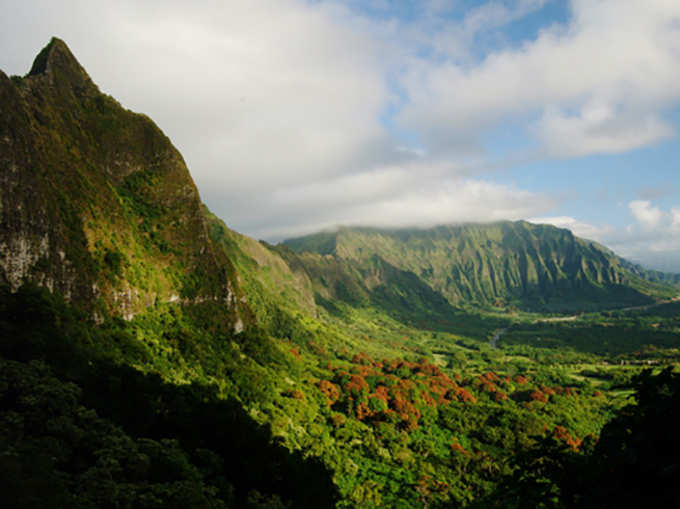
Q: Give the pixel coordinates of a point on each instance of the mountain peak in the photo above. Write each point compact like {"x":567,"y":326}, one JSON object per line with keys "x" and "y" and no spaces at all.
{"x":58,"y":63}
{"x":56,"y":53}
{"x":83,"y":178}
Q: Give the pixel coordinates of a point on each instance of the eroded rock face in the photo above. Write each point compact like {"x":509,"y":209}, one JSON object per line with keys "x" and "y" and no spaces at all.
{"x":20,"y":254}
{"x":519,"y":264}
{"x":95,"y":201}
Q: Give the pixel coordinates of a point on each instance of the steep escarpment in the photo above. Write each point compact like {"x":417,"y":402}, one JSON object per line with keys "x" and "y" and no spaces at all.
{"x":530,"y":266}
{"x":97,"y":203}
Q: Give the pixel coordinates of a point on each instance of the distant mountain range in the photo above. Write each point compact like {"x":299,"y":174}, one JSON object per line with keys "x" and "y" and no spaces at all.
{"x":534,"y":267}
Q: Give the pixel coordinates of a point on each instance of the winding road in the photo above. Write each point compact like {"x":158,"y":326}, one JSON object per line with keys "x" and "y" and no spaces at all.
{"x":632,"y":308}
{"x":494,"y":340}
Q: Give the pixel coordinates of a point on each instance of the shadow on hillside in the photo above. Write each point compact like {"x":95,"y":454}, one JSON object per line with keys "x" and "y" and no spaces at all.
{"x":582,"y":298}
{"x":594,"y":338}
{"x":32,"y":327}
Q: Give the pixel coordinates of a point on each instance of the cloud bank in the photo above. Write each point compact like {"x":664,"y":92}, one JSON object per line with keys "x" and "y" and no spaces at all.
{"x":599,"y":84}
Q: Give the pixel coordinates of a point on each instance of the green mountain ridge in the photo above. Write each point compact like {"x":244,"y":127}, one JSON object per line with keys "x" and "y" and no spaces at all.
{"x":96,"y":201}
{"x":533,"y":267}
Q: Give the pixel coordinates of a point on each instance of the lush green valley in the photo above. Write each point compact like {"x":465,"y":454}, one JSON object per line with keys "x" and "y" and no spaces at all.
{"x":152,"y":357}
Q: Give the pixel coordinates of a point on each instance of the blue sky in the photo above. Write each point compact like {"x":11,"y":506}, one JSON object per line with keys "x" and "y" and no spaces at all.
{"x":300,"y":115}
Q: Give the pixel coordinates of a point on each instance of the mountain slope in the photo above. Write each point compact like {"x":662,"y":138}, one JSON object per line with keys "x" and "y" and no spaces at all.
{"x":145,"y":328}
{"x":536,"y":267}
{"x":96,"y":202}
{"x":372,"y":282}
{"x":278,"y":295}
{"x":654,"y":276}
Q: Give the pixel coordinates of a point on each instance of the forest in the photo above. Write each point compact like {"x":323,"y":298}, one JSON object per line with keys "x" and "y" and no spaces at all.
{"x":446,"y":423}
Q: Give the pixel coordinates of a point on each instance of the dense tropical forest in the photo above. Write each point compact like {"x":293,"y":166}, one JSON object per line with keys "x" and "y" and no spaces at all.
{"x":151,"y":357}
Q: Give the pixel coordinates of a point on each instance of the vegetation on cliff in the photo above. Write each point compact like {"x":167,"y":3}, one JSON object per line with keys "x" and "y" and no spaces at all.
{"x":96,"y":202}
{"x":516,"y":264}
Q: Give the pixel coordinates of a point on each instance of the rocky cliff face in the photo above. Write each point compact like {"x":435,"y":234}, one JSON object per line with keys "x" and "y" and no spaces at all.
{"x":530,"y":266}
{"x":95,"y":201}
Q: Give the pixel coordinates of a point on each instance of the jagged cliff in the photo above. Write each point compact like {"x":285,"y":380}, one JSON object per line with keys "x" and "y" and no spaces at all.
{"x":517,"y":263}
{"x":96,"y":202}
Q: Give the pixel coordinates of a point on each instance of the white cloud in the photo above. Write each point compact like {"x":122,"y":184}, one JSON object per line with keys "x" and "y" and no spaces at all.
{"x":579,"y":228}
{"x":600,"y":84}
{"x":414,"y":195}
{"x":647,"y":216}
{"x":653,"y":239}
{"x":675,"y":221}
{"x":496,"y":14}
{"x":598,"y":128}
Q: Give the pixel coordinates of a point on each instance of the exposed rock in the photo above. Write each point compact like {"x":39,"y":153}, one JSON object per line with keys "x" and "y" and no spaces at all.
{"x":95,"y":201}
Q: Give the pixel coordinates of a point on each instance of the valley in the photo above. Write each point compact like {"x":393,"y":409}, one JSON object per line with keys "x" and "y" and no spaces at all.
{"x":153,"y":357}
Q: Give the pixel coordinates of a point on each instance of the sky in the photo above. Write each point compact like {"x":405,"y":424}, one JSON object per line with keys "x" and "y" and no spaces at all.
{"x":300,"y":115}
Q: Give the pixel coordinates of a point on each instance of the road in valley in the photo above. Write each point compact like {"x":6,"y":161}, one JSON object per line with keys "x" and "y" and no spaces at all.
{"x":494,"y":340}
{"x":632,"y":308}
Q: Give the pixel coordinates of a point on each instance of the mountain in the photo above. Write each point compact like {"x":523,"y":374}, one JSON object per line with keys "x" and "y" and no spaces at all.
{"x":533,"y":267}
{"x":132,"y":363}
{"x":97,"y":203}
{"x":654,"y":276}
{"x":150,"y":356}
